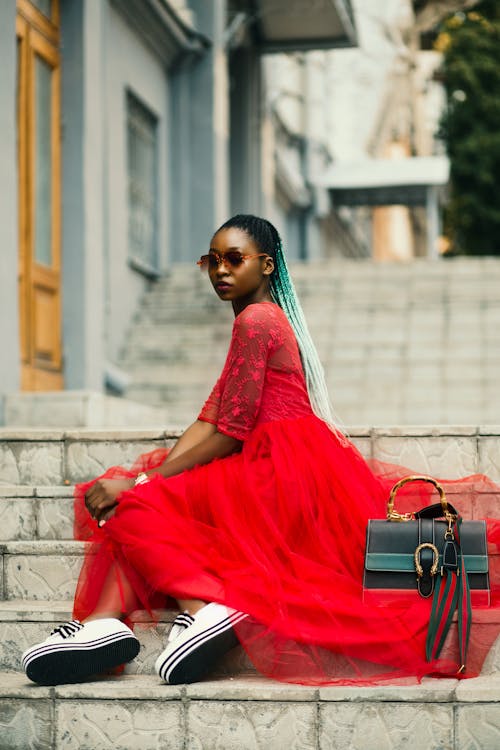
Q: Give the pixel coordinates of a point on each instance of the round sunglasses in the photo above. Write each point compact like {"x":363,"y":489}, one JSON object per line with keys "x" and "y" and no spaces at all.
{"x":233,"y":259}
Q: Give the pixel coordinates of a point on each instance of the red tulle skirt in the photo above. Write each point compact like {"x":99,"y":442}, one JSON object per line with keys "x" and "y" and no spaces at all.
{"x":278,"y":531}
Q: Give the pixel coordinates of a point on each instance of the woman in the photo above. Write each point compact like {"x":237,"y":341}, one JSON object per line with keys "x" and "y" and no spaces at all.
{"x":254,"y":523}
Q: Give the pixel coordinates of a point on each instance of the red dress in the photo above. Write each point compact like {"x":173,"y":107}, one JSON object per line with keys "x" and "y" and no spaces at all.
{"x":276,"y":531}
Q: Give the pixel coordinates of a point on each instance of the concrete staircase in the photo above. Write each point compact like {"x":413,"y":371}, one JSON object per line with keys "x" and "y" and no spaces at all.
{"x":237,"y":708}
{"x":406,"y":344}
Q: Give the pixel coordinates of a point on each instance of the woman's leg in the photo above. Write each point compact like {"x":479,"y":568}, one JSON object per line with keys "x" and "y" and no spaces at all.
{"x":191,"y":605}
{"x":117,"y":598}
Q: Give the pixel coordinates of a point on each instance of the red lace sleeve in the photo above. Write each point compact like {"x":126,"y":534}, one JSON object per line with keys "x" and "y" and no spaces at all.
{"x":210,"y":410}
{"x":256,"y":333}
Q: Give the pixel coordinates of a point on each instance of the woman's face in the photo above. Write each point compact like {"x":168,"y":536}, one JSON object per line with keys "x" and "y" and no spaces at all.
{"x":242,"y":282}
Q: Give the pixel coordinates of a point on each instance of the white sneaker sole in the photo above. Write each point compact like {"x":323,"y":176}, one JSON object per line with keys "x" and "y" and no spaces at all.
{"x":59,"y":663}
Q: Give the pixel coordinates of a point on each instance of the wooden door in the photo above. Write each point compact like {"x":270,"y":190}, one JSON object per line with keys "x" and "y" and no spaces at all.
{"x":39,"y":149}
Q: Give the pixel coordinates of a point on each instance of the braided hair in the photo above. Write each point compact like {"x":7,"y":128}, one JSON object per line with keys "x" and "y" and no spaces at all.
{"x":268,"y":240}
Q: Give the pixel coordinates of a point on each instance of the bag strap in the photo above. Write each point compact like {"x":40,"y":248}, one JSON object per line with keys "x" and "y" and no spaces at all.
{"x":451,"y":593}
{"x":426,"y":558}
{"x":435,"y":511}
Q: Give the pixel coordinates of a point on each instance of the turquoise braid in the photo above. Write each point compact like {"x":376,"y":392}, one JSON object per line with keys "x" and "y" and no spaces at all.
{"x":284,"y":294}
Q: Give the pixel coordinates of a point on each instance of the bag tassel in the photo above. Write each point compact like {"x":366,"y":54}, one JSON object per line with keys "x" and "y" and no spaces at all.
{"x":451,"y":593}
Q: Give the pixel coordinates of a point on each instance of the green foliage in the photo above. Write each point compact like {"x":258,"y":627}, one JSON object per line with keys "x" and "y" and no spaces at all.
{"x":471,"y":127}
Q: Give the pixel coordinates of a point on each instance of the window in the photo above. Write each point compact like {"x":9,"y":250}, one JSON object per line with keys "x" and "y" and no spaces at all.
{"x":44,"y":6}
{"x":142,"y":165}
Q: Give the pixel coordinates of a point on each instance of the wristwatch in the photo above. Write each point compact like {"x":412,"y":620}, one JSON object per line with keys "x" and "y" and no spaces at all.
{"x":141,"y":478}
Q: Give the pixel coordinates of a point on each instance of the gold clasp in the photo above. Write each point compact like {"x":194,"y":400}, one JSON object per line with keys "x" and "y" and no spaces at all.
{"x":399,"y":517}
{"x":435,"y":560}
{"x":450,"y":520}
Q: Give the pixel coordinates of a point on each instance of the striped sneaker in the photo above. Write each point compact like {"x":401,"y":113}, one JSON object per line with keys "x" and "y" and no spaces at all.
{"x":76,"y":651}
{"x":194,"y":652}
{"x":179,"y":625}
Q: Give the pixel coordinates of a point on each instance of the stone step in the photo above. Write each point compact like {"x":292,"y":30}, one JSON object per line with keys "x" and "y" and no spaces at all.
{"x":46,"y":513}
{"x":29,"y":513}
{"x":40,"y":570}
{"x":184,"y":400}
{"x":250,"y":712}
{"x":344,"y":367}
{"x":24,"y":622}
{"x":166,"y":335}
{"x":47,"y":570}
{"x":390,"y":288}
{"x":55,"y":458}
{"x":162,"y":374}
{"x":77,"y":409}
{"x":444,"y":317}
{"x":139,"y":361}
{"x":183,"y":410}
{"x":483,"y":304}
{"x":454,"y":269}
{"x":38,"y":457}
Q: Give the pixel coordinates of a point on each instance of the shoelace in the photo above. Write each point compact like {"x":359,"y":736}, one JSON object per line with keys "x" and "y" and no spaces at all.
{"x":68,"y":629}
{"x":184,"y":620}
{"x":179,"y":625}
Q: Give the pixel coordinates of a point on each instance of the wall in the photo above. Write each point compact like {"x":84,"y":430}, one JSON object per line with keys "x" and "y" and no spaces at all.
{"x":129,"y":65}
{"x":200,"y":138}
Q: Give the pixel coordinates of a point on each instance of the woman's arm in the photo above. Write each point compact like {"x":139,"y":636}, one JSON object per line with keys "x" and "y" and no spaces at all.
{"x":195,"y":433}
{"x":101,"y":498}
{"x":215,"y":445}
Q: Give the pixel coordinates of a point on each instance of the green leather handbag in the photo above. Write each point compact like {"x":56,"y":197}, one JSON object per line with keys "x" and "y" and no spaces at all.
{"x":430,"y":553}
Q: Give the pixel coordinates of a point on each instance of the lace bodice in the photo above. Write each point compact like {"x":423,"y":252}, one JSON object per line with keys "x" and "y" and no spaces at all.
{"x":262,"y":379}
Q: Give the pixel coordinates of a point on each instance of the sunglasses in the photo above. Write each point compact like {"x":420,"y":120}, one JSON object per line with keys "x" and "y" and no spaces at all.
{"x":233,"y":259}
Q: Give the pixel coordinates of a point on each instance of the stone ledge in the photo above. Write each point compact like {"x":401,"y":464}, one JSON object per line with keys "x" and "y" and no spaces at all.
{"x":35,"y":610}
{"x":173,"y":431}
{"x":26,"y":491}
{"x":489,"y":430}
{"x":66,"y":458}
{"x":33,"y":434}
{"x":26,"y":610}
{"x":256,"y":688}
{"x":426,"y":431}
{"x":65,"y":490}
{"x":43,"y":547}
{"x":132,"y":712}
{"x":485,"y":689}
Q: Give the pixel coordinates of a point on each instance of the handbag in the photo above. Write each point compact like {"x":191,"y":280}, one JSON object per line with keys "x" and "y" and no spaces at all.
{"x":430,"y":553}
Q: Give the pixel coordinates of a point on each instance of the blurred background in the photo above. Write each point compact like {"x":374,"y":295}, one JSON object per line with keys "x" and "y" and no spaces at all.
{"x":368,"y":132}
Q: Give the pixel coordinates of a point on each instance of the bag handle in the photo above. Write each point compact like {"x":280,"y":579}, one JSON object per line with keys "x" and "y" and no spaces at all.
{"x":434,"y":511}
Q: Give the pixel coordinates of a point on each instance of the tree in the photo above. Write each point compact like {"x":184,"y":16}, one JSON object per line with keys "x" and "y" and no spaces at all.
{"x":470,"y":127}
{"x":428,"y":13}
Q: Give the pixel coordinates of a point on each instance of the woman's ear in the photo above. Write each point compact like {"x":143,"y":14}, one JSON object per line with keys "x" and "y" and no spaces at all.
{"x":268,"y":266}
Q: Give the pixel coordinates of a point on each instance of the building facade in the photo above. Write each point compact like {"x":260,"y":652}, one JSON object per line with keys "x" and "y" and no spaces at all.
{"x":129,"y":130}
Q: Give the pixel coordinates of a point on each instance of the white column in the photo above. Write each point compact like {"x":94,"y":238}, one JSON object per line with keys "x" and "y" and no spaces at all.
{"x":83,"y":202}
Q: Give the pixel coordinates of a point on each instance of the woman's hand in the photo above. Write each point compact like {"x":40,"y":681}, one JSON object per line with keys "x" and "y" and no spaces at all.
{"x":101,"y":498}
